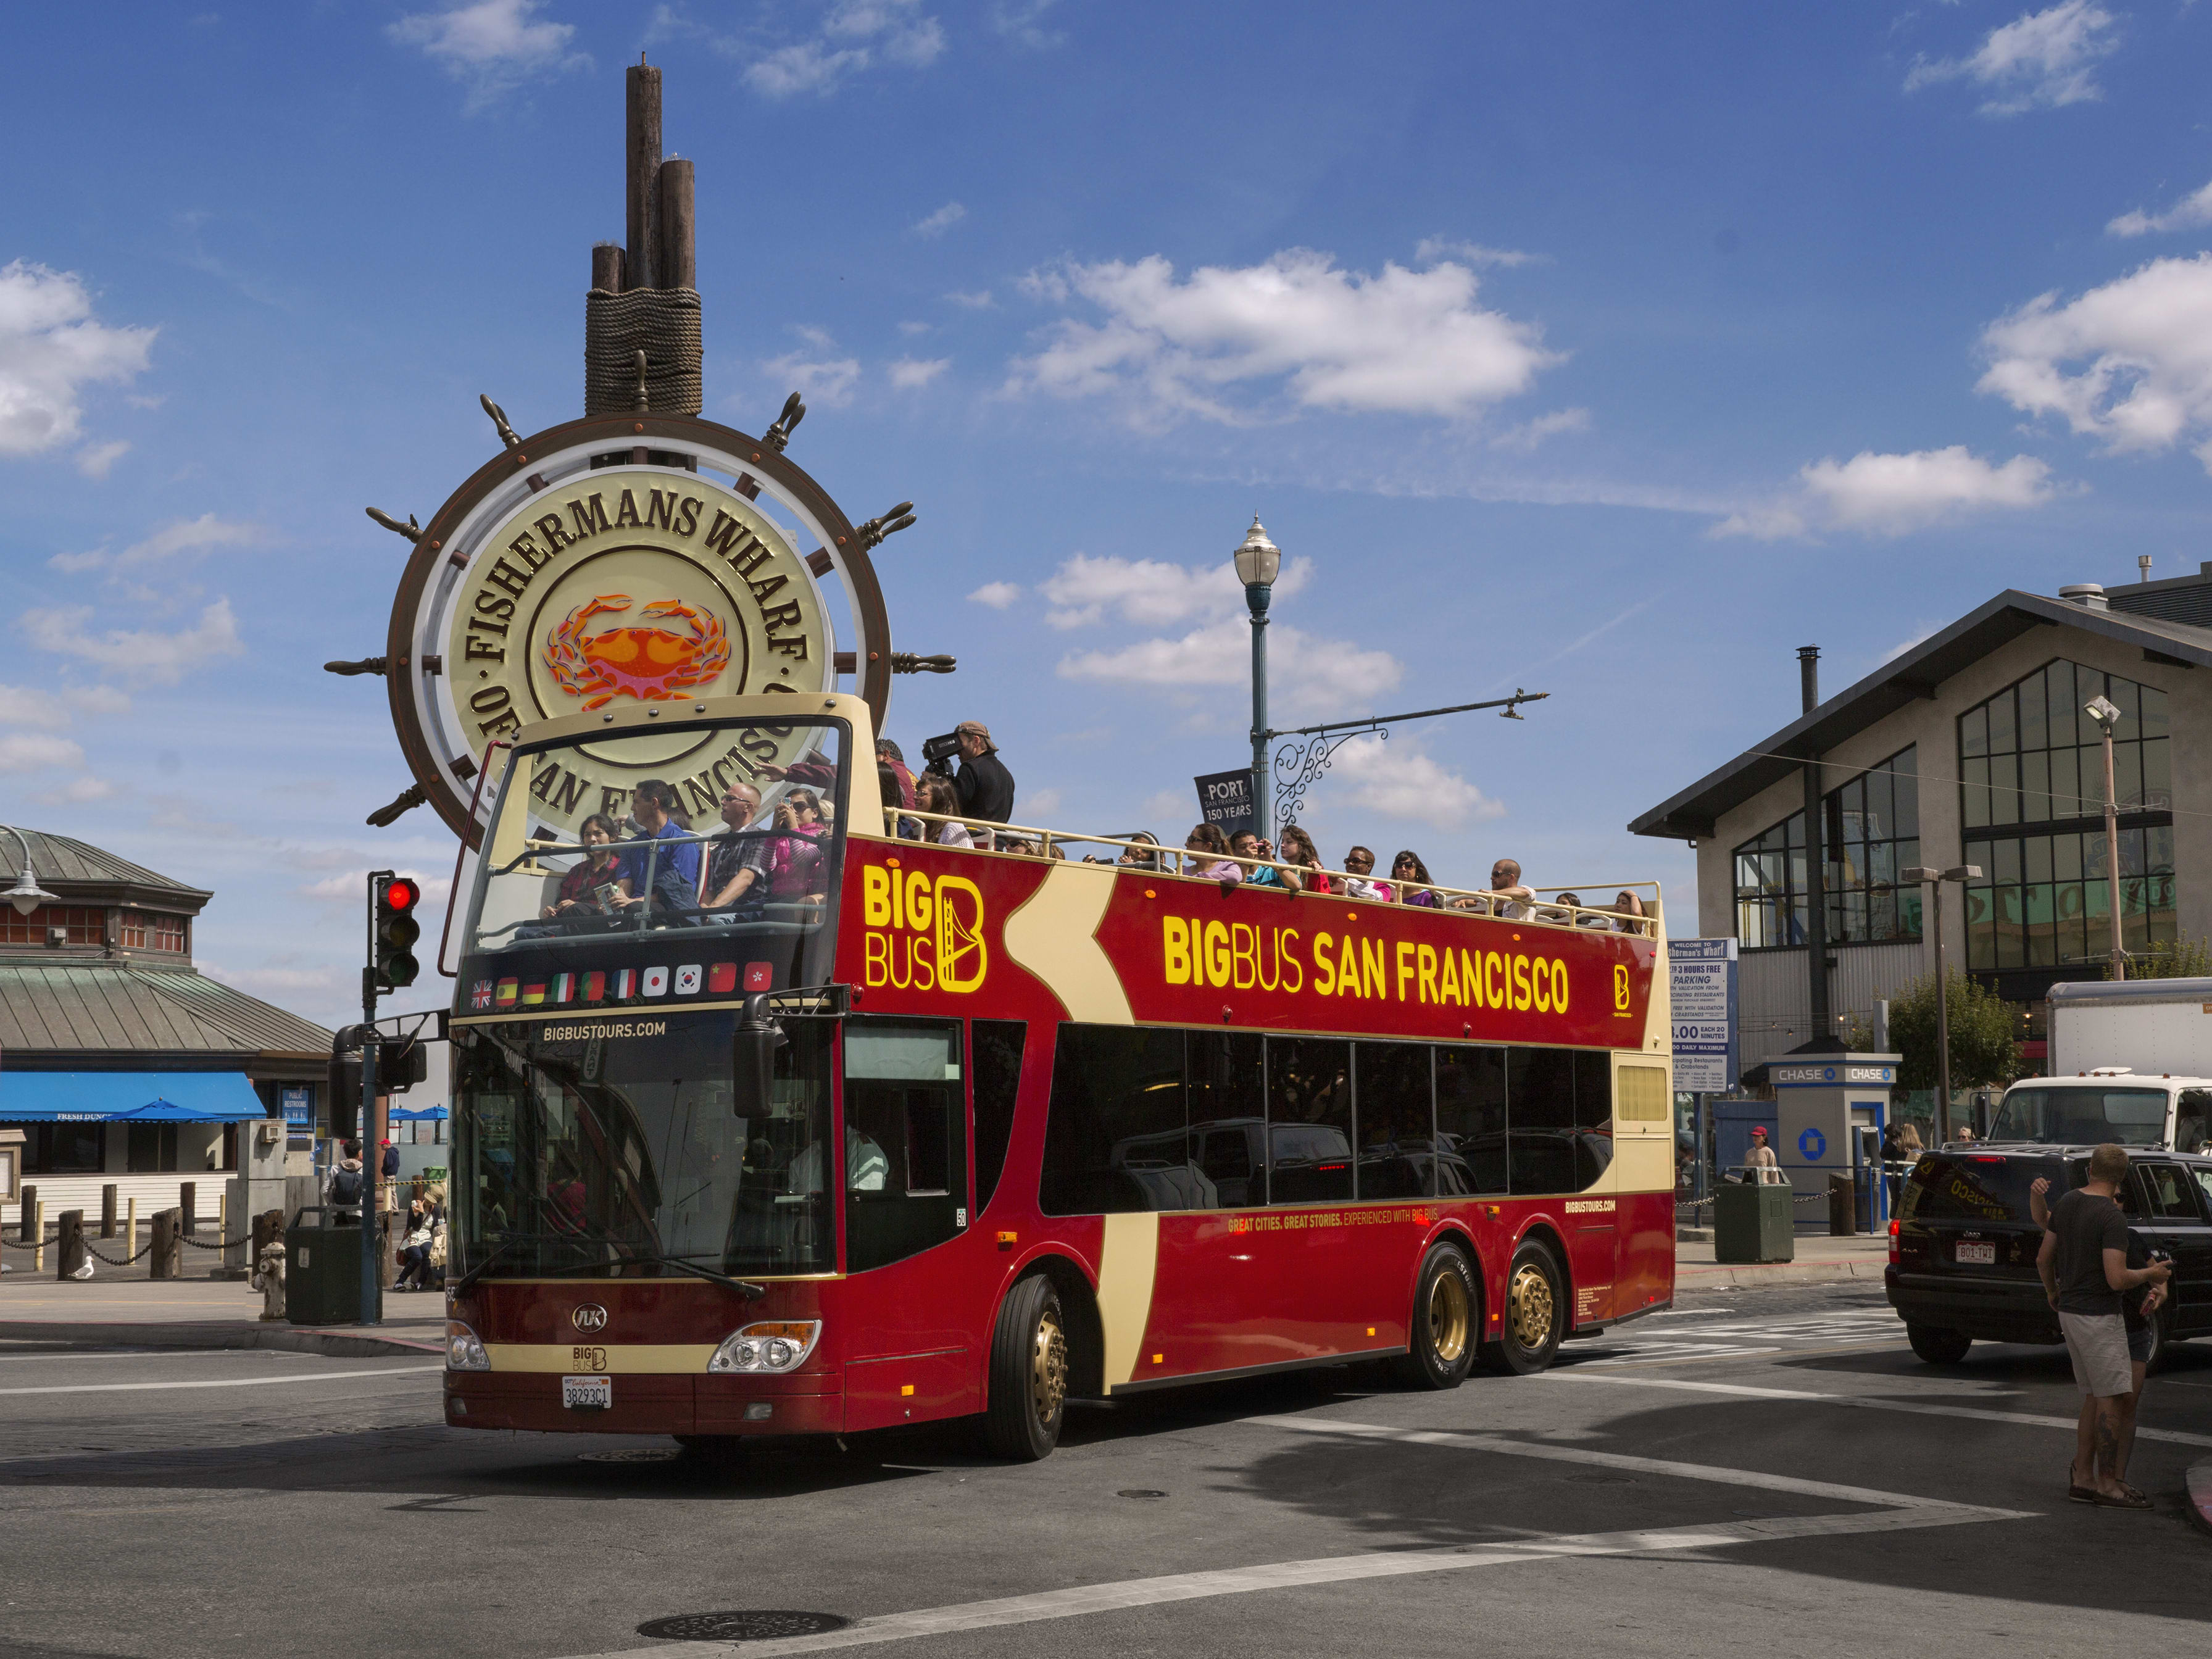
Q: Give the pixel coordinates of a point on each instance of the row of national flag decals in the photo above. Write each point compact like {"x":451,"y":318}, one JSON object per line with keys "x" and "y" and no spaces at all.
{"x":621,"y":985}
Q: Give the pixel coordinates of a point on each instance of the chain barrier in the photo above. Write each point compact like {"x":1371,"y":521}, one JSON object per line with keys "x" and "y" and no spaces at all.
{"x":220,"y":1244}
{"x":11,"y":1244}
{"x":126,"y":1261}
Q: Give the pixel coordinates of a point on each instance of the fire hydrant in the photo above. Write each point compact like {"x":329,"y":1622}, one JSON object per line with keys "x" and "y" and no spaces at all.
{"x":269,"y":1279}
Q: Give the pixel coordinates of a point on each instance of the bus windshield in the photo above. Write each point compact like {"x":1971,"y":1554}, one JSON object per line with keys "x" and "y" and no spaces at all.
{"x":578,"y":1146}
{"x":2082,"y":1116}
{"x":735,"y":827}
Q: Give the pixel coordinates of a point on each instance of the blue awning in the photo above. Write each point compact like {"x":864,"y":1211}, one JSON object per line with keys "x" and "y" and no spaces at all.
{"x":417,"y":1114}
{"x":132,"y":1097}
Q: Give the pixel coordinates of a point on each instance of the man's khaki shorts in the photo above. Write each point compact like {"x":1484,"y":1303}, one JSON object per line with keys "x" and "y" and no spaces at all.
{"x":2098,"y":1345}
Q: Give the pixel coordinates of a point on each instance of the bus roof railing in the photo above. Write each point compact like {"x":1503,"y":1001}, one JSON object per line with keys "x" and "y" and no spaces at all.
{"x":1036,"y":843}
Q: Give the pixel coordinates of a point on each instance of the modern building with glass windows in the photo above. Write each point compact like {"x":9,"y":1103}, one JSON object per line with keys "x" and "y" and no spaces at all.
{"x":1972,"y":748}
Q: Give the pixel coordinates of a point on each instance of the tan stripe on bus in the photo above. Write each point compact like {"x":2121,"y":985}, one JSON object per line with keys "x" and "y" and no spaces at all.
{"x":1055,"y":935}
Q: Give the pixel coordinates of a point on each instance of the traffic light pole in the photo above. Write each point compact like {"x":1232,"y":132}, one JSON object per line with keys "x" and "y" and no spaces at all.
{"x":372,"y":1161}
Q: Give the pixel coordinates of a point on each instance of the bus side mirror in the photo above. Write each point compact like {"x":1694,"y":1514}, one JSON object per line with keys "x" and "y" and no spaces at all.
{"x":752,"y":1057}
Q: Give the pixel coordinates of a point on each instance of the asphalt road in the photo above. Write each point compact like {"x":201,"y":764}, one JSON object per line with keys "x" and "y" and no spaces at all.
{"x":1766,"y":1472}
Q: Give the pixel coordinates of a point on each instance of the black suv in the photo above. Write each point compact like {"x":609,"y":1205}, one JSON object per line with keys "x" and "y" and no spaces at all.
{"x":1962,"y":1249}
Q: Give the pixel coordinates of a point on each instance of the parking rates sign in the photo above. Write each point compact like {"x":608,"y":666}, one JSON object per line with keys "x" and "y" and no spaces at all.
{"x":1701,"y":975}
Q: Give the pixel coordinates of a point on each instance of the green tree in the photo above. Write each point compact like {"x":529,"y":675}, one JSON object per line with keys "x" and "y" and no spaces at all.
{"x":1983,"y":1027}
{"x":2178,"y":958}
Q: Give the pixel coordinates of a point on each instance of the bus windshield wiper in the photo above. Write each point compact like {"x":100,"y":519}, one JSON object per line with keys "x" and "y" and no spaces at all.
{"x":461,"y":1285}
{"x":745,"y":1288}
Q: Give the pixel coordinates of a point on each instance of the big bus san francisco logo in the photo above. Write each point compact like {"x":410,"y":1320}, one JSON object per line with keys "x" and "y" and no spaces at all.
{"x":924,"y":933}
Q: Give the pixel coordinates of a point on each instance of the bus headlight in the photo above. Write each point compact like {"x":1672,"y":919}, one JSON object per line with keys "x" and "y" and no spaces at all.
{"x":463,"y":1353}
{"x":775,"y":1345}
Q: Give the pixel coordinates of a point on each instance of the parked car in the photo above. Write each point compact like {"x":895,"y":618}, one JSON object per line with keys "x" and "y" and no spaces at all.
{"x":1962,"y":1249}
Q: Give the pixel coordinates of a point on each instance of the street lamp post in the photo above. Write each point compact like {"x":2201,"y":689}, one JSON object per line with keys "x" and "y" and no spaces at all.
{"x":1934,"y":880}
{"x":2107,"y":717}
{"x":1257,"y":560}
{"x":26,"y":895}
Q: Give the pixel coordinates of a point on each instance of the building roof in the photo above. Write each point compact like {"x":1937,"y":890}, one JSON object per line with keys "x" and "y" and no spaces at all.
{"x":62,"y":863}
{"x":129,"y":1007}
{"x":1915,"y":674}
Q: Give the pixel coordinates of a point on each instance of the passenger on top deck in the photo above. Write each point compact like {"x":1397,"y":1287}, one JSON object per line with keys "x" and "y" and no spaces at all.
{"x":1249,"y":848}
{"x":1132,"y":859}
{"x":675,"y":883}
{"x":1305,"y":859}
{"x":737,"y":864}
{"x":1508,"y":900}
{"x":1359,"y":865}
{"x":584,"y":890}
{"x":940,"y":799}
{"x":1211,"y":861}
{"x":986,"y":788}
{"x":1630,"y":911}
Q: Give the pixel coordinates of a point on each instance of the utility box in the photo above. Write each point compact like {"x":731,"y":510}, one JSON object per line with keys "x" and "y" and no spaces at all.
{"x":1821,"y":1103}
{"x":1753,"y":1224}
{"x":322,"y":1270}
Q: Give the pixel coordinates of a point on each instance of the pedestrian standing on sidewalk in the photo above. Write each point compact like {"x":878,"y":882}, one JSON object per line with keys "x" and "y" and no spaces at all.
{"x":2084,"y":1266}
{"x":1759,"y":1166}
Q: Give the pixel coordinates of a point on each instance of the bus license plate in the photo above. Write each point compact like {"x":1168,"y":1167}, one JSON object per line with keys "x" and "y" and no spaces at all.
{"x":1985,"y":1254}
{"x":587,"y":1394}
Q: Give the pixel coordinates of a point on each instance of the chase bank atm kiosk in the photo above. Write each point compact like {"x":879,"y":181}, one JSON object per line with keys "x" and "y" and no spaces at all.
{"x":1830,"y":1111}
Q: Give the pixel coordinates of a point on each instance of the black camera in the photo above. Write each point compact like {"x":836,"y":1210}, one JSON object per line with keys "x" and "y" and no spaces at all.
{"x":938,"y":753}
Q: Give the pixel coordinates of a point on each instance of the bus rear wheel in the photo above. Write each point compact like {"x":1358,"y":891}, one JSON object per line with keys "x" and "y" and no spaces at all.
{"x":1028,"y":1373}
{"x":1536,"y":1305}
{"x":1442,"y":1348}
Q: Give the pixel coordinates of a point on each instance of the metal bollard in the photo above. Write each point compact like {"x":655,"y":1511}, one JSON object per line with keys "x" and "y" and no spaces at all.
{"x":38,"y":1240}
{"x":188,"y":1196}
{"x":130,"y":1232}
{"x":167,"y":1248}
{"x":107,"y":1211}
{"x":69,"y":1256}
{"x":24,"y":1212}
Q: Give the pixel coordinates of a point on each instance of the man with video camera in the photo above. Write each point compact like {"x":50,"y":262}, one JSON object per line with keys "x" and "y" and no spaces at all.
{"x":986,"y":788}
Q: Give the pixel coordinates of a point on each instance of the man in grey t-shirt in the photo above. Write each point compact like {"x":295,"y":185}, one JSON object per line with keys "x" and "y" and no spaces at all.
{"x":2084,"y":1266}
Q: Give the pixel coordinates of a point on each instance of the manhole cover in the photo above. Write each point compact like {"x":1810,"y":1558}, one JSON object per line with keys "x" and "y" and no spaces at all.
{"x":632,"y":1454}
{"x":1139,"y":1491}
{"x":750,"y":1624}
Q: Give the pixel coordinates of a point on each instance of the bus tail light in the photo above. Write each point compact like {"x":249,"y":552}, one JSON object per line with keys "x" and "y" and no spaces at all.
{"x":463,"y":1353}
{"x":773,"y":1346}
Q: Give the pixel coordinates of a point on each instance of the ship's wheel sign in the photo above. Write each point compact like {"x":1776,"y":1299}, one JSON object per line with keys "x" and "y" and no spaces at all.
{"x":615,"y":560}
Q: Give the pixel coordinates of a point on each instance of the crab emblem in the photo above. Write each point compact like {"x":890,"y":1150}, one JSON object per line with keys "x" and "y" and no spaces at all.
{"x":653,"y":665}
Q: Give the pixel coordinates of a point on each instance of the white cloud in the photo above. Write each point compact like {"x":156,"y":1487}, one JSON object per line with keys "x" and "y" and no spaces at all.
{"x":1395,"y":779}
{"x":916,"y":328}
{"x":353,"y":884}
{"x":28,"y":705}
{"x":98,"y":460}
{"x":1921,"y":632}
{"x":1304,"y":672}
{"x":855,"y":36}
{"x":1037,"y":804}
{"x":2144,"y":342}
{"x":80,"y":792}
{"x":1526,"y":436}
{"x":981,"y":300}
{"x":828,"y":382}
{"x":491,"y":46}
{"x":2191,"y":211}
{"x":941,"y":220}
{"x":51,"y":349}
{"x":1430,"y":249}
{"x":1022,"y":22}
{"x":2040,"y":60}
{"x":1151,"y":591}
{"x":140,"y":654}
{"x":997,"y":595}
{"x":1890,"y":495}
{"x":273,"y":980}
{"x":182,"y":536}
{"x":35,"y":751}
{"x":909,"y":372}
{"x":1295,"y":331}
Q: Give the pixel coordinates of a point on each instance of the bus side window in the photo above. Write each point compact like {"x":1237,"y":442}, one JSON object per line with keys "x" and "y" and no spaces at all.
{"x":1471,"y":1119}
{"x":906,"y":1165}
{"x":1540,"y":1113}
{"x":1229,"y":1116}
{"x":1593,"y":1115}
{"x":1309,"y":1154}
{"x":1115,"y":1137}
{"x":1396,"y":1137}
{"x":996,"y":1078}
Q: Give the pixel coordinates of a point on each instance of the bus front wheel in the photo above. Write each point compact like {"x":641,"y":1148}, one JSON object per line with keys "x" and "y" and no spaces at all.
{"x":1028,"y":1373}
{"x":1442,"y":1347}
{"x":1534,"y":1310}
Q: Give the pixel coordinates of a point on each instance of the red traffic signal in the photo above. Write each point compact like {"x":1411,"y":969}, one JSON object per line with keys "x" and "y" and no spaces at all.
{"x":401,"y":895}
{"x":394,"y":930}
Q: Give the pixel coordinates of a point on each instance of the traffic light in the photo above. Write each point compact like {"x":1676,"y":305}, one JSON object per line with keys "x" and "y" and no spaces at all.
{"x":397,"y":930}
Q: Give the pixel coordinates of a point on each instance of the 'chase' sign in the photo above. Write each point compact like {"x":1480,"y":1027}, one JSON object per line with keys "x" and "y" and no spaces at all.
{"x":1829,"y":1077}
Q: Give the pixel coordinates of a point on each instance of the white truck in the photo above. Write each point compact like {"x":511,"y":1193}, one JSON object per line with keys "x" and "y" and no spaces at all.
{"x":2130,"y":1062}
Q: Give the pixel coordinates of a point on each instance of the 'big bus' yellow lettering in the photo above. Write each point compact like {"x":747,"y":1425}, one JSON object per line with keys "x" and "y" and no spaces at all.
{"x":924,"y":933}
{"x":1236,"y":956}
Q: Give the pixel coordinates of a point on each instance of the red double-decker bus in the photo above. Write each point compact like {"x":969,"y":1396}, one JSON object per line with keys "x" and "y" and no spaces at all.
{"x":889,"y":1131}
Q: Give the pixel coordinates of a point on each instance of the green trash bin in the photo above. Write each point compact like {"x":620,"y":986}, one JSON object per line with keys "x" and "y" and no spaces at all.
{"x":322,"y":1270}
{"x":1753,"y":1224}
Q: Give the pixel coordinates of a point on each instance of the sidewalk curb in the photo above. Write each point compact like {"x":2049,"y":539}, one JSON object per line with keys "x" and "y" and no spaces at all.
{"x":1752,"y":1275}
{"x":288,"y":1338}
{"x":2196,"y":1493}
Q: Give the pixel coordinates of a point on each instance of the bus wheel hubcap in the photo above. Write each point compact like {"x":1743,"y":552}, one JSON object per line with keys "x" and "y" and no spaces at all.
{"x":1048,"y":1369}
{"x":1531,"y":1305}
{"x":1448,"y":1317}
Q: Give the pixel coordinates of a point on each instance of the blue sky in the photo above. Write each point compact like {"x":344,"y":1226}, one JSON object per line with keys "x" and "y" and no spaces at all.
{"x":1611,"y":351}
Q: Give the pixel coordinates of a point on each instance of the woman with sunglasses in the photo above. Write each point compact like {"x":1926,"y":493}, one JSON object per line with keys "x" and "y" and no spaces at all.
{"x":1407,"y":869}
{"x":794,"y":856}
{"x":1206,"y":855}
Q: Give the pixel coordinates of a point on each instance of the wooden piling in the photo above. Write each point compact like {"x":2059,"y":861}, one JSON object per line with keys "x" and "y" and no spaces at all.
{"x":678,"y":264}
{"x":642,"y":173}
{"x":607,"y":260}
